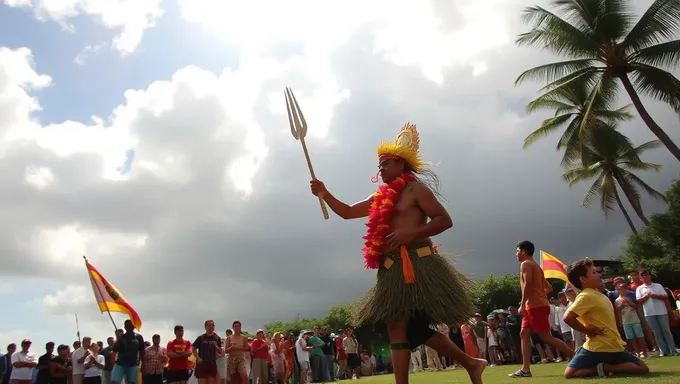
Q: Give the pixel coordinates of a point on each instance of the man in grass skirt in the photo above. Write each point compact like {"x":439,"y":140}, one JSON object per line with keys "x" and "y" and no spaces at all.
{"x":416,"y":286}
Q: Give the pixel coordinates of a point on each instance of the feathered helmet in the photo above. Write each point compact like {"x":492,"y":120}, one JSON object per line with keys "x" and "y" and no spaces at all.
{"x":405,"y":146}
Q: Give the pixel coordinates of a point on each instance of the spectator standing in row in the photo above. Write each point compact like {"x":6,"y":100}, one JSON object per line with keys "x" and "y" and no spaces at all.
{"x":60,"y":366}
{"x":328,"y":352}
{"x":93,"y":364}
{"x":78,"y":357}
{"x":352,"y":349}
{"x":23,"y":363}
{"x":479,"y":329}
{"x":626,"y":309}
{"x":259,"y":351}
{"x":206,"y":348}
{"x":108,"y":360}
{"x":155,"y":358}
{"x":341,"y":354}
{"x":653,"y":298}
{"x":178,"y":351}
{"x":43,"y":376}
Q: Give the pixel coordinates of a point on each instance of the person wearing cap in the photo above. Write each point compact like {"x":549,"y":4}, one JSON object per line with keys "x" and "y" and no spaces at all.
{"x":653,"y":298}
{"x":23,"y":363}
{"x":259,"y":350}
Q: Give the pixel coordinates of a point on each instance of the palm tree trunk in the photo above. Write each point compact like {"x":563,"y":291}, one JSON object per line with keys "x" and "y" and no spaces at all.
{"x":651,"y":124}
{"x":635,"y":203}
{"x":625,"y":213}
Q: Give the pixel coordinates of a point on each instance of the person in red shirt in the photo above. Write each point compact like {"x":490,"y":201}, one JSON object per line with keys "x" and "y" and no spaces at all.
{"x":179,"y":351}
{"x":341,"y":355}
{"x":260,"y":352}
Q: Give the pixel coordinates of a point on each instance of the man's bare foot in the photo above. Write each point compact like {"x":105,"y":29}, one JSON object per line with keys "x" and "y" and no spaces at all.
{"x":476,"y":371}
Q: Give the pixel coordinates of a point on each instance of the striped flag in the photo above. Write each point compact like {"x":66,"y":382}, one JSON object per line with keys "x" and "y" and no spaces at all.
{"x":553,"y":268}
{"x":109,"y":298}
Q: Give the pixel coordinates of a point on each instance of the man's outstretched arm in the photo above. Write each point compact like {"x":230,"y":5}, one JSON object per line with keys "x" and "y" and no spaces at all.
{"x":341,"y":209}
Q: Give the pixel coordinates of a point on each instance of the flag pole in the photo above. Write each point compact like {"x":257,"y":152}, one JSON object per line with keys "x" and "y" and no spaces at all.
{"x":77,"y":327}
{"x":115,"y":328}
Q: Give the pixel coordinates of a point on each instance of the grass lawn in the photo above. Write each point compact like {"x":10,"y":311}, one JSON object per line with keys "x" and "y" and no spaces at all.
{"x":663,"y":371}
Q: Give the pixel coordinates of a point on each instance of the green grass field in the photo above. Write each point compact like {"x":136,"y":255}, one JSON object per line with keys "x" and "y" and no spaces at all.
{"x":663,"y":371}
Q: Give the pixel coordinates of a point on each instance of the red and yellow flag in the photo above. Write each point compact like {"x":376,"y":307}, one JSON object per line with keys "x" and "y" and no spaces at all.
{"x":109,"y":298}
{"x":553,"y":268}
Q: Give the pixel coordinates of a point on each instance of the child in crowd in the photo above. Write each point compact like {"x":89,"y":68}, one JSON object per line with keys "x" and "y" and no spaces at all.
{"x":627,"y":310}
{"x":495,"y":355}
{"x":592,"y":313}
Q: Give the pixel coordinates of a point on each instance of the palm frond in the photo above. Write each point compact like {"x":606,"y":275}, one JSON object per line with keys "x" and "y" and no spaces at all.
{"x":635,"y":181}
{"x":585,"y":77}
{"x":608,"y":195}
{"x":657,"y":84}
{"x":576,"y":173}
{"x":615,"y":116}
{"x":615,"y":19}
{"x":660,"y":55}
{"x":582,"y":14}
{"x":549,"y":126}
{"x":660,"y":22}
{"x":551,"y":32}
{"x":541,"y":103}
{"x":553,"y":71}
{"x":593,"y":191}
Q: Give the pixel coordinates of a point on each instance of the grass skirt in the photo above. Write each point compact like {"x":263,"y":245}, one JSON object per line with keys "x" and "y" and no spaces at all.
{"x":441,"y":294}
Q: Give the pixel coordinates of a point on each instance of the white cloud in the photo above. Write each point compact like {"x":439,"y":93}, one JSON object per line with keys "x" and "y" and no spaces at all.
{"x":131,"y":17}
{"x":86,"y":52}
{"x":38,"y":177}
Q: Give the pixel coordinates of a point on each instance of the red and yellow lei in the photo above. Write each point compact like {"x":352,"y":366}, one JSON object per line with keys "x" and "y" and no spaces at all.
{"x":379,"y":218}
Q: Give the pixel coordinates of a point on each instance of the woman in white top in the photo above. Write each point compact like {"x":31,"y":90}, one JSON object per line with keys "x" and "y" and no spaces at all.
{"x":352,"y":350}
{"x":94,"y":363}
{"x":654,"y":302}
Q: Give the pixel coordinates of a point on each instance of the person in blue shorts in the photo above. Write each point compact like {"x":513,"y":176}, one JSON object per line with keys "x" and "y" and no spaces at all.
{"x":592,"y":313}
{"x":129,"y":347}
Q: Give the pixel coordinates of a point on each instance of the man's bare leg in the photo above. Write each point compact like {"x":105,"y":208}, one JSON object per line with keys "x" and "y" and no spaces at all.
{"x":445,"y":346}
{"x":556,"y":343}
{"x":525,"y":336}
{"x":401,"y":354}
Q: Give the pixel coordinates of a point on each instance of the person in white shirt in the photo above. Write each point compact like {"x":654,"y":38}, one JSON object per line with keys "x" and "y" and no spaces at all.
{"x":302,"y":351}
{"x":653,"y":298}
{"x":78,"y":359}
{"x":23,"y":363}
{"x":560,"y":310}
{"x":93,"y":363}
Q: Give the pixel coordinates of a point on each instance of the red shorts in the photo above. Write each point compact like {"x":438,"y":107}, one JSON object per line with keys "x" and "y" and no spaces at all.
{"x":538,"y":319}
{"x":204,"y":371}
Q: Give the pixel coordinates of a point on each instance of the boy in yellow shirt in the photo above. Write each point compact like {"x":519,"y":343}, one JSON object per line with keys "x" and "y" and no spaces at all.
{"x":592,"y":313}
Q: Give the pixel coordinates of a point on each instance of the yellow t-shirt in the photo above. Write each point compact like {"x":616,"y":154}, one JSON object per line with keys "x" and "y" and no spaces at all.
{"x":594,"y":308}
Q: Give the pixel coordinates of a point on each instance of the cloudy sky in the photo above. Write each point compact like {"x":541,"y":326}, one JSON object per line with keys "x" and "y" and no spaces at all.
{"x":151,"y":136}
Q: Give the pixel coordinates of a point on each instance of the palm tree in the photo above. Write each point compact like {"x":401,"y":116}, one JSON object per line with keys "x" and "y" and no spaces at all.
{"x":604,"y":46}
{"x":610,"y":158}
{"x":571,"y":105}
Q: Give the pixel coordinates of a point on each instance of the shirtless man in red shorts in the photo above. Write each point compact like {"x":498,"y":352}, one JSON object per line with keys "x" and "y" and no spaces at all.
{"x":534,"y":308}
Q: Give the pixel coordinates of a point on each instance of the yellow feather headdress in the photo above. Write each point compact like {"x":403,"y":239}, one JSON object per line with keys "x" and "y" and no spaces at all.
{"x":405,"y":146}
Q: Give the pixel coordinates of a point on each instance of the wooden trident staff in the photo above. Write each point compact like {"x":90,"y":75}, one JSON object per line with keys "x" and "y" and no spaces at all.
{"x":298,"y":127}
